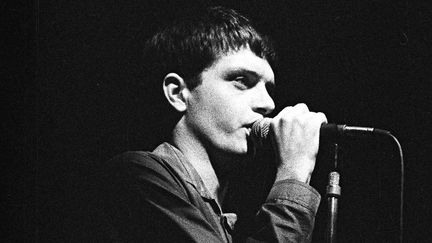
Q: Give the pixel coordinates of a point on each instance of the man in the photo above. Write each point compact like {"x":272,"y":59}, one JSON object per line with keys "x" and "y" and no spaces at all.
{"x":216,"y":73}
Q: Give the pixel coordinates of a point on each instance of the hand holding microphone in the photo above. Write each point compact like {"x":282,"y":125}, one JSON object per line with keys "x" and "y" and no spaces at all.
{"x":296,"y":133}
{"x":295,"y":139}
{"x":261,"y":128}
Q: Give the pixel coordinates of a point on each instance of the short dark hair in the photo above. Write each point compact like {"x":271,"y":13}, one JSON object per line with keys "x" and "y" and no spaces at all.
{"x":194,"y":41}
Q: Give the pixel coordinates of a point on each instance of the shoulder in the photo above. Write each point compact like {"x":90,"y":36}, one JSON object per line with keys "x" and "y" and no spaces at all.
{"x":143,"y":169}
{"x":134,"y":163}
{"x":134,"y":159}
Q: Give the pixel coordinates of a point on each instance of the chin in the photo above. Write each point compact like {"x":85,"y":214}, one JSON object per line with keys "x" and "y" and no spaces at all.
{"x":235,"y":146}
{"x":238,"y":148}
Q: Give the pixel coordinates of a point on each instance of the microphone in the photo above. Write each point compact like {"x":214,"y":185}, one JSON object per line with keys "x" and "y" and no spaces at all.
{"x":260,"y":130}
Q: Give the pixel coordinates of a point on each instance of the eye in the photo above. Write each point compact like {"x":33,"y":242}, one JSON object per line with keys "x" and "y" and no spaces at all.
{"x":242,"y":82}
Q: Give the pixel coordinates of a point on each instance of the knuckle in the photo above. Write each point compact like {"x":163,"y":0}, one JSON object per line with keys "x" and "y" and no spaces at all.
{"x":287,"y":109}
{"x":302,"y":107}
{"x":322,"y":117}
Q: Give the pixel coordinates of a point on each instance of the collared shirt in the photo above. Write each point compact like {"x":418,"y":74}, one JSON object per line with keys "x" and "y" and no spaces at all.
{"x":159,"y":197}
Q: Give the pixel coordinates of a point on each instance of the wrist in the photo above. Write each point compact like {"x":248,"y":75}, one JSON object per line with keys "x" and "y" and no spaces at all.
{"x":302,"y":177}
{"x":299,"y":167}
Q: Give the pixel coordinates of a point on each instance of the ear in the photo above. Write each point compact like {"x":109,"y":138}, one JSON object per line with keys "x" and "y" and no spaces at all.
{"x":174,"y":88}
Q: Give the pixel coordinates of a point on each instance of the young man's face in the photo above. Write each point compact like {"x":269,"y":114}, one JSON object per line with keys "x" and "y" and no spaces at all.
{"x":233,"y":94}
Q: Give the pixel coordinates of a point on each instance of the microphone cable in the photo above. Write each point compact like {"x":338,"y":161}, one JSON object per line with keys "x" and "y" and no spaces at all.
{"x":402,"y":180}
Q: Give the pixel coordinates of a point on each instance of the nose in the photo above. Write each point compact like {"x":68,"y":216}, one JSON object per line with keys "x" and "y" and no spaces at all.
{"x":262,"y":101}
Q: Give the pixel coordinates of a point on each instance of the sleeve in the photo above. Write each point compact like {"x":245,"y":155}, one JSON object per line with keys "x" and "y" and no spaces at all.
{"x":288,"y":214}
{"x":146,"y":202}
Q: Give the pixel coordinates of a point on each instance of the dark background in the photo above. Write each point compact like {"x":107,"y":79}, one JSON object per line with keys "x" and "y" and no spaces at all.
{"x":69,"y":76}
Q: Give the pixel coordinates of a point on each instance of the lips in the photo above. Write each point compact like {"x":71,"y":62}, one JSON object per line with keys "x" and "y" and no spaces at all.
{"x":248,"y":126}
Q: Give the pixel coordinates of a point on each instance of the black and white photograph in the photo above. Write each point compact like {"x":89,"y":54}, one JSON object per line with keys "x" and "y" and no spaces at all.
{"x":216,"y":121}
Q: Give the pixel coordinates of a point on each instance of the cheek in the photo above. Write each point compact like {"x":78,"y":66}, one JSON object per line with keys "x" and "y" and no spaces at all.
{"x":228,"y":104}
{"x":230,"y":112}
{"x":222,"y":109}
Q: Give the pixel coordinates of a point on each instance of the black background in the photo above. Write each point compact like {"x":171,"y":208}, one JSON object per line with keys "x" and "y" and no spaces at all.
{"x":67,"y":106}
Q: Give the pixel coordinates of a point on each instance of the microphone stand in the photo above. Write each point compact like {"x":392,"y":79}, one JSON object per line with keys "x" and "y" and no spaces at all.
{"x":332,"y":193}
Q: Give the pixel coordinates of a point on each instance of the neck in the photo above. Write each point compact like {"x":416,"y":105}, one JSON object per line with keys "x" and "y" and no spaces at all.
{"x":197,"y":154}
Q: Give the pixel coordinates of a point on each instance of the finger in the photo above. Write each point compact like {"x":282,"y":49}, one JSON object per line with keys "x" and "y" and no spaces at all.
{"x":311,"y":121}
{"x":321,"y":117}
{"x":301,"y":108}
{"x":292,"y":111}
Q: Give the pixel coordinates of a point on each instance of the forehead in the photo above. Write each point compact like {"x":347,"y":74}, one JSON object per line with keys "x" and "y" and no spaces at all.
{"x":243,"y":60}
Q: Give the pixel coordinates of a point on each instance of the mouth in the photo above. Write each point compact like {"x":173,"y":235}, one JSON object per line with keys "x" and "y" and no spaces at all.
{"x":248,"y":127}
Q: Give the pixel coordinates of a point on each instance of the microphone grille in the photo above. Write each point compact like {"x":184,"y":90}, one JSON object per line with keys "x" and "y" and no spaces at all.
{"x":260,"y":130}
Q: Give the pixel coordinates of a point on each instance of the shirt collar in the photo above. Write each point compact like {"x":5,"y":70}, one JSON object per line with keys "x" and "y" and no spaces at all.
{"x":179,"y":162}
